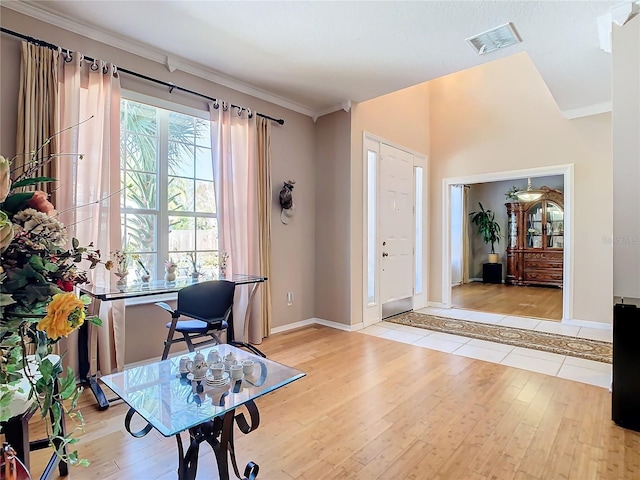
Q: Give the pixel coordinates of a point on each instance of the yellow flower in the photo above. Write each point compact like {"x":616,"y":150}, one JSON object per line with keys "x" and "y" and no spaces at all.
{"x":65,"y":313}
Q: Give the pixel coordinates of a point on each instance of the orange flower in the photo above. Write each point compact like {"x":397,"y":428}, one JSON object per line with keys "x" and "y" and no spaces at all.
{"x":40,"y":203}
{"x":65,"y":313}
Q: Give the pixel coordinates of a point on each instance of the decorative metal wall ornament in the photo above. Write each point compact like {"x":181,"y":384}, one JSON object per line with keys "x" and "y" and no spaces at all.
{"x":286,"y":201}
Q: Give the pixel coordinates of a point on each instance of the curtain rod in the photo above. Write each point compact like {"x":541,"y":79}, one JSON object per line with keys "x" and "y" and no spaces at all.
{"x":171,"y":86}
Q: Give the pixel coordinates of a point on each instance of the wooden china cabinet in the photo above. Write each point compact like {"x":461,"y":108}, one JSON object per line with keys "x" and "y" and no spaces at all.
{"x":535,"y":240}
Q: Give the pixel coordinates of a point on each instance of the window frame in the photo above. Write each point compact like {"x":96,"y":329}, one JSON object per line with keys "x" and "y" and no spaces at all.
{"x":162,"y":211}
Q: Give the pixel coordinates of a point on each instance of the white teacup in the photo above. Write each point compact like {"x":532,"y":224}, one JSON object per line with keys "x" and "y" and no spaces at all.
{"x":235,"y":371}
{"x":183,"y":364}
{"x":213,"y":357}
{"x":247,"y":366}
{"x":217,"y":369}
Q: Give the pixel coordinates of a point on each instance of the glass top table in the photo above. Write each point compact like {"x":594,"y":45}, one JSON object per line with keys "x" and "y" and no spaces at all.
{"x":167,"y":401}
{"x":172,"y":403}
{"x":157,"y":287}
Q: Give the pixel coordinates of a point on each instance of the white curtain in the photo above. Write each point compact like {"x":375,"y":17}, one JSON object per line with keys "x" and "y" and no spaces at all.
{"x":233,"y":143}
{"x":457,"y":222}
{"x":459,"y":234}
{"x":465,"y":235}
{"x":90,"y":97}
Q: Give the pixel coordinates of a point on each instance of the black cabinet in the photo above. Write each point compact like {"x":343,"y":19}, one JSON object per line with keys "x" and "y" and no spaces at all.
{"x":625,"y":394}
{"x":491,"y":273}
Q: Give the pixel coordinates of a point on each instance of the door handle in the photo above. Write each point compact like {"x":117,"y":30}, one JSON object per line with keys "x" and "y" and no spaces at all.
{"x":385,"y":254}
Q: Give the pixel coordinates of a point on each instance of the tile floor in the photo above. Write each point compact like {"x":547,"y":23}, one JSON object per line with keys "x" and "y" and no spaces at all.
{"x":571,"y":368}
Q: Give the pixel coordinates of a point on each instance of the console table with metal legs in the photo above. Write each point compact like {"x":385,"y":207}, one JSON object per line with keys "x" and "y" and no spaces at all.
{"x":88,"y":334}
{"x":172,"y":403}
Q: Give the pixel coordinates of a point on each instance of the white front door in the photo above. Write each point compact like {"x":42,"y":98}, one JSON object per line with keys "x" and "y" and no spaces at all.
{"x":396,"y":230}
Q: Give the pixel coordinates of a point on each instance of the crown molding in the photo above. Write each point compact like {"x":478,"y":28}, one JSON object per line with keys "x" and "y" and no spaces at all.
{"x":587,"y":111}
{"x":171,"y":62}
{"x":346,"y":106}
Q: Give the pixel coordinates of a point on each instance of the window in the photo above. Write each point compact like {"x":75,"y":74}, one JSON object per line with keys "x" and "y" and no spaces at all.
{"x":168,"y":203}
{"x":372,"y":190}
{"x":418,"y":228}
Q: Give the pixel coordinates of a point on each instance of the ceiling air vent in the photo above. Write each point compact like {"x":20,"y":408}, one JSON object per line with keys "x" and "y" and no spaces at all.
{"x":494,"y":39}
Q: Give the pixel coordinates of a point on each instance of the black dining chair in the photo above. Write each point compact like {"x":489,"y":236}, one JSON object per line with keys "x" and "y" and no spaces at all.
{"x":208,"y":306}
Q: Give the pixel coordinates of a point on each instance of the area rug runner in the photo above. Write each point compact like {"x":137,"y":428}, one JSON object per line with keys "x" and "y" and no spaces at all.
{"x":548,"y":342}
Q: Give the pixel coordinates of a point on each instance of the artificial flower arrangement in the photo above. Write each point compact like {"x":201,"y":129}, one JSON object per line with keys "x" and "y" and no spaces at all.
{"x":146,"y":275}
{"x":120,"y":260}
{"x":136,"y":257}
{"x":195,"y":268}
{"x":170,"y":265}
{"x":38,"y":306}
{"x":224,"y":256}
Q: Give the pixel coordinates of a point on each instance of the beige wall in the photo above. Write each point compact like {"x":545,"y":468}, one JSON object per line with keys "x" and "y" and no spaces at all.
{"x":626,"y":157}
{"x":293,"y":149}
{"x":402,"y":118}
{"x":501,"y":117}
{"x":333,"y":149}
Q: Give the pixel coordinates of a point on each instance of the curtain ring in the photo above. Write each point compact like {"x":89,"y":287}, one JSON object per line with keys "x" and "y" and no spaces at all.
{"x":114,"y":70}
{"x":216,"y":105}
{"x":105,"y":67}
{"x":249,"y":113}
{"x":94,"y":66}
{"x":239,"y":111}
{"x":225,"y":107}
{"x":81,"y":58}
{"x":68,"y":56}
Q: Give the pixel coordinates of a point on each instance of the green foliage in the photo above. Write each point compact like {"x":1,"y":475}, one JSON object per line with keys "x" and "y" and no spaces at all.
{"x":32,"y":181}
{"x":36,"y":265}
{"x":16,"y":202}
{"x":488,"y":228}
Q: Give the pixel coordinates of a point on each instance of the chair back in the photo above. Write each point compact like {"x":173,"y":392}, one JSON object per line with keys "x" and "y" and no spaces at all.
{"x":206,"y":300}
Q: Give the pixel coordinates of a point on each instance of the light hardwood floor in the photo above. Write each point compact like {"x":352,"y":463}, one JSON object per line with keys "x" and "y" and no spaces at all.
{"x":532,"y":302}
{"x":371,"y":408}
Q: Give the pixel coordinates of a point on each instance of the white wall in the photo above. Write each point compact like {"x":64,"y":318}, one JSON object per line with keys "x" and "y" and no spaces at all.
{"x":626,"y":158}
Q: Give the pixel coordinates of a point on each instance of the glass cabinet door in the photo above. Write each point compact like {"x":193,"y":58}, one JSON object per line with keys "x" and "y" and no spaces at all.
{"x":554,"y":226}
{"x":512,"y":230}
{"x":534,"y":219}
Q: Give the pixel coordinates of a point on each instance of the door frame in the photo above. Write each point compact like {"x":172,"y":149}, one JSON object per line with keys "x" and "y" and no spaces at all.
{"x":567,"y":171}
{"x":419,"y":299}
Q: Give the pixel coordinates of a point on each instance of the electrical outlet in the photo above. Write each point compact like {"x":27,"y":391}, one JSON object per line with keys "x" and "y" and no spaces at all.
{"x":289,"y":299}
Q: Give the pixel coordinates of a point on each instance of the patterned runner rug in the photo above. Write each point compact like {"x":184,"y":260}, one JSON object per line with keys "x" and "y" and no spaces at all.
{"x":549,"y":342}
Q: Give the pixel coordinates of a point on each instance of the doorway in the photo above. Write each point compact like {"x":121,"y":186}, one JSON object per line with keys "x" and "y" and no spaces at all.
{"x":530,"y":301}
{"x":393,"y":268}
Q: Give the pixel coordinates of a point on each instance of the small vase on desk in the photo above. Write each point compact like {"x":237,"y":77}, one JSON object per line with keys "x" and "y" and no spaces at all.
{"x":122,"y":278}
{"x":170,"y":274}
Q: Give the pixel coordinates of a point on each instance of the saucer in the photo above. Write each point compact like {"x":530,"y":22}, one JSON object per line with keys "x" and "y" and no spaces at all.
{"x":211,"y":379}
{"x":191,"y":377}
{"x":218,"y":383}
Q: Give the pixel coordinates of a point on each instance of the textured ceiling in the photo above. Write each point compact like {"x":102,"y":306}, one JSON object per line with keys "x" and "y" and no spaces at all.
{"x":315,"y":55}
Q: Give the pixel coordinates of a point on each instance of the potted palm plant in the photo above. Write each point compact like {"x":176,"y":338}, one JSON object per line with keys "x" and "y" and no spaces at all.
{"x":488,"y":229}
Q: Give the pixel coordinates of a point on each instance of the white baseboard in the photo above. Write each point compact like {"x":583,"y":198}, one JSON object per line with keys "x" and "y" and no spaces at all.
{"x":291,"y":326}
{"x":318,"y":321}
{"x":438,"y":305}
{"x":588,"y":324}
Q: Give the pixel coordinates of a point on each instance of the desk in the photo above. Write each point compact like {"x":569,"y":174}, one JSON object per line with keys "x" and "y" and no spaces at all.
{"x":87,"y":336}
{"x":171,"y":404}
